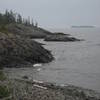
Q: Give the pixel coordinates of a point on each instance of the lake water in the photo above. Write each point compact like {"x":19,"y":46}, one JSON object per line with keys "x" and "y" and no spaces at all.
{"x":76,"y":63}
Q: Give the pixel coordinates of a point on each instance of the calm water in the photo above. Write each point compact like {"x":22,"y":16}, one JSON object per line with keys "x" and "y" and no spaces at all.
{"x":76,"y":63}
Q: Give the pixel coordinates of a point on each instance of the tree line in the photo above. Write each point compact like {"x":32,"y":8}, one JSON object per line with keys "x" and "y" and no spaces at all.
{"x":12,"y":17}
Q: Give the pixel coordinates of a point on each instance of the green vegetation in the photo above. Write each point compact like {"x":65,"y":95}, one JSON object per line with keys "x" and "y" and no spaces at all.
{"x":2,"y":76}
{"x":10,"y":17}
{"x":4,"y":91}
{"x":3,"y":29}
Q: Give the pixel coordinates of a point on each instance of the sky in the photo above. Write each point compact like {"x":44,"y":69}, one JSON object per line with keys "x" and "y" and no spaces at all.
{"x":56,"y":13}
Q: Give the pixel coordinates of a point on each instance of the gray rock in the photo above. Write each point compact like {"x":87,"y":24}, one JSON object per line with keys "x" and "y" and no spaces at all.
{"x":16,"y":51}
{"x":27,"y":31}
{"x":61,"y":37}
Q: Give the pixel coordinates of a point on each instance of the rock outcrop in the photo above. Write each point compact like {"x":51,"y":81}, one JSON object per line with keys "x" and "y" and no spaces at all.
{"x":61,"y":37}
{"x":27,"y":31}
{"x":16,"y":51}
{"x":37,"y":32}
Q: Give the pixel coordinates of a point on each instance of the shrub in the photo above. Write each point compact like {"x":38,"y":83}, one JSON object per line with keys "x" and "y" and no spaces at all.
{"x":2,"y":76}
{"x":4,"y":91}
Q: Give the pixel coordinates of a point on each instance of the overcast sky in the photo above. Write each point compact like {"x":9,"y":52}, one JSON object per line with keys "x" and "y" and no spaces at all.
{"x":57,"y":13}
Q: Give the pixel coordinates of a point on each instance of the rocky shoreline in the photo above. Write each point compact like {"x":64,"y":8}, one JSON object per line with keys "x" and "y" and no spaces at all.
{"x":61,"y":38}
{"x":17,"y":49}
{"x":25,"y":89}
{"x":39,"y":33}
{"x":17,"y":52}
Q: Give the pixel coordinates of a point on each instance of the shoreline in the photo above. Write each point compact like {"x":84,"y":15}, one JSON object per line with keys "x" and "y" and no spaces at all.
{"x":34,"y":73}
{"x":25,"y":89}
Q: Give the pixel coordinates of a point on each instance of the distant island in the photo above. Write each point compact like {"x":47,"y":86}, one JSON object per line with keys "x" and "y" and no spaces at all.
{"x":83,"y":26}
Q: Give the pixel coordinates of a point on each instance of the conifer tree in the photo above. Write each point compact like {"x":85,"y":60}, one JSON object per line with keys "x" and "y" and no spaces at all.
{"x":19,"y":19}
